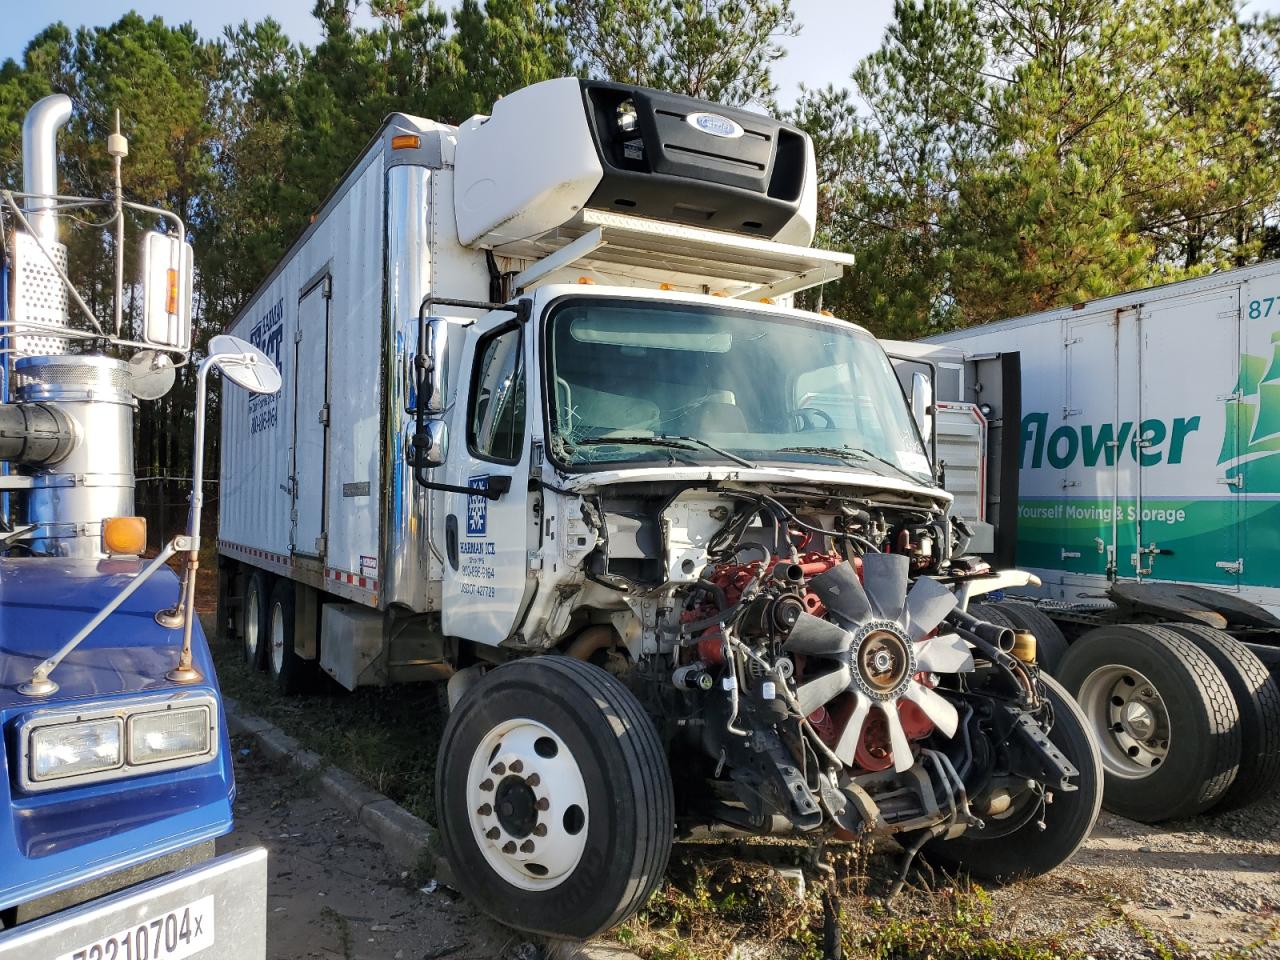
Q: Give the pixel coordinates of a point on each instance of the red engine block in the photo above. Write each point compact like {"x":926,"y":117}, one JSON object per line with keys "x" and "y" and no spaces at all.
{"x":873,"y":752}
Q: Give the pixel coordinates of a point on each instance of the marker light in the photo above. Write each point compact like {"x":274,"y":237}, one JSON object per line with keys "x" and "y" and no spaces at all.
{"x":586,"y":281}
{"x":124,"y":535}
{"x":406,"y":141}
{"x":75,"y":749}
{"x":171,"y":291}
{"x":169,"y":734}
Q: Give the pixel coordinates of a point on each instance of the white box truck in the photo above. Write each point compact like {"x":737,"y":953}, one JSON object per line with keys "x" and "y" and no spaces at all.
{"x":1149,"y":507}
{"x":552,"y":431}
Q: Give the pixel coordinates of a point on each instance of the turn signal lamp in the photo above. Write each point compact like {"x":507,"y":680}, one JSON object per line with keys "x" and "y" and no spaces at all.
{"x":406,"y":141}
{"x":586,"y":280}
{"x":171,"y":292}
{"x":124,"y":535}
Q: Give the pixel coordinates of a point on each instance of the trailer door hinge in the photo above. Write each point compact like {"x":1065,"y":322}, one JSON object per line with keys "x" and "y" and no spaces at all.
{"x":322,"y":542}
{"x":297,"y":335}
{"x":324,"y":415}
{"x":1237,"y":481}
{"x":534,"y":559}
{"x":1228,"y":397}
{"x":1070,"y":483}
{"x":1069,"y":342}
{"x":1070,"y":554}
{"x":328,"y":288}
{"x":1068,"y":412}
{"x":1234,"y":567}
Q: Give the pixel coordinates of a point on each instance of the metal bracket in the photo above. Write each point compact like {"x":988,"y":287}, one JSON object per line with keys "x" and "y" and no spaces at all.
{"x":586,"y":244}
{"x":1237,"y":481}
{"x":1233,"y":567}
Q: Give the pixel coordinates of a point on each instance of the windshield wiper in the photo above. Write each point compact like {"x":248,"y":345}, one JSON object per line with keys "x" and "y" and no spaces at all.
{"x":674,"y":443}
{"x":853,"y":453}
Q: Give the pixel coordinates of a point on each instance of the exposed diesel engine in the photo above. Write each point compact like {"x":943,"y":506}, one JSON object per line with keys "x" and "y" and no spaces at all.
{"x":824,"y":678}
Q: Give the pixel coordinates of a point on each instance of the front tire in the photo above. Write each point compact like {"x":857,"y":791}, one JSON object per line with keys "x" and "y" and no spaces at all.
{"x":1166,"y":723}
{"x":554,"y":798}
{"x":1029,"y":851}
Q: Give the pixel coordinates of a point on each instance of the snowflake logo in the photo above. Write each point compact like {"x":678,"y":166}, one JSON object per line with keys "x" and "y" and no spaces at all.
{"x":477,"y":508}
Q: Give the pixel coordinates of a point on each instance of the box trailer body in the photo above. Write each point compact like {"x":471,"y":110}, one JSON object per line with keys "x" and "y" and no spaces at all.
{"x":546,"y":393}
{"x":1149,"y":436}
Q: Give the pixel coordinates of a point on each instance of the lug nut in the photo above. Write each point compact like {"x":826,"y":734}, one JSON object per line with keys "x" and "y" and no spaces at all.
{"x":517,"y":766}
{"x":486,"y":785}
{"x":526,"y":847}
{"x":533,"y":779}
{"x":498,"y":769}
{"x":485,"y":811}
{"x":509,"y":847}
{"x":493,"y":833}
{"x":540,"y":830}
{"x":544,"y":804}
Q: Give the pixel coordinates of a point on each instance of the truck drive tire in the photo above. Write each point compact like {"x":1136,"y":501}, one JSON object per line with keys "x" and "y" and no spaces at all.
{"x":253,"y":619}
{"x":1258,"y":699}
{"x":1051,"y":645}
{"x":1013,"y":845}
{"x":554,"y":798}
{"x":287,"y":669}
{"x":1166,"y":724}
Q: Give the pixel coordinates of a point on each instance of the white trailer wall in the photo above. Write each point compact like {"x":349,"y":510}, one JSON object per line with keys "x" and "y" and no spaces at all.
{"x":1151,"y":435}
{"x":269,"y":502}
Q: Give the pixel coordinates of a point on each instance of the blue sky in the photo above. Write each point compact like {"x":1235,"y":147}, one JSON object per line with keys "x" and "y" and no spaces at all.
{"x":836,"y":34}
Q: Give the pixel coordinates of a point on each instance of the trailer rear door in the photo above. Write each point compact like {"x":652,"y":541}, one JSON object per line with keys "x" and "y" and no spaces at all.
{"x":1188,"y":519}
{"x":311,"y":419}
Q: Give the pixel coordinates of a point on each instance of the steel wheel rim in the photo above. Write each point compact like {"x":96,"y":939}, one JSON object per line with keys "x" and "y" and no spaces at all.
{"x":277,"y":638}
{"x":252,"y":621}
{"x":527,"y":804}
{"x":1129,"y":719}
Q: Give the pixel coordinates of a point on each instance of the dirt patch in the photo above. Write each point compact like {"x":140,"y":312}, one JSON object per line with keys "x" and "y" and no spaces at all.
{"x":332,"y":894}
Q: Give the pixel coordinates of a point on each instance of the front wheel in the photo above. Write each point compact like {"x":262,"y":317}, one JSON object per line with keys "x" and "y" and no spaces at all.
{"x":1028,"y":850}
{"x":554,"y":798}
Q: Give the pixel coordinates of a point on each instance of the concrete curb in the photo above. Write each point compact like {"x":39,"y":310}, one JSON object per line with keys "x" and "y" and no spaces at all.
{"x":408,"y":841}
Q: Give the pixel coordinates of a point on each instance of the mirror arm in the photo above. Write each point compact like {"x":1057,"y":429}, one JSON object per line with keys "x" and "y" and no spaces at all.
{"x":493,"y":489}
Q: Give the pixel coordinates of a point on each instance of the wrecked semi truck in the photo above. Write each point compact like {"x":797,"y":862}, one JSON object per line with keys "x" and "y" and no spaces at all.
{"x":1148,"y":462}
{"x":117,"y":766}
{"x":552,"y":432}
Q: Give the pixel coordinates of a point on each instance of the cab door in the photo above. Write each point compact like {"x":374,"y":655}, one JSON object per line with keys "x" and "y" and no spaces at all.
{"x":487,"y":582}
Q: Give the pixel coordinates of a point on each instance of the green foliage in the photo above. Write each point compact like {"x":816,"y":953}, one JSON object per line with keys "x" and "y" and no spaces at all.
{"x":1015,"y":155}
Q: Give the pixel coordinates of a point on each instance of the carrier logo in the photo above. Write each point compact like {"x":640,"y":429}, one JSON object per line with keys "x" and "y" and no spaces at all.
{"x":267,"y":335}
{"x":715,"y":125}
{"x":1250,"y":452}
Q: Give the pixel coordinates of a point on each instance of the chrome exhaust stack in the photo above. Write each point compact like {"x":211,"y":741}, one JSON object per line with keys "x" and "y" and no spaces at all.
{"x":40,"y":161}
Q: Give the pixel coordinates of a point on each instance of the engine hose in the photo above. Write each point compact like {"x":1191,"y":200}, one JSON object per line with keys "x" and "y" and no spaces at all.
{"x":1007,"y":664}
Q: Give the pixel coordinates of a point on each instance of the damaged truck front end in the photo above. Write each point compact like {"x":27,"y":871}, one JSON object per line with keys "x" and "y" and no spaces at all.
{"x":732,"y":522}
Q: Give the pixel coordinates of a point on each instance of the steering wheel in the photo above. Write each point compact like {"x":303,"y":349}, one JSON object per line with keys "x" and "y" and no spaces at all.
{"x":808,"y":415}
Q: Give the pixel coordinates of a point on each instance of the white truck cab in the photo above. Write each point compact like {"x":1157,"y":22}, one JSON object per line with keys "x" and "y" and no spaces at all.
{"x":553,"y":431}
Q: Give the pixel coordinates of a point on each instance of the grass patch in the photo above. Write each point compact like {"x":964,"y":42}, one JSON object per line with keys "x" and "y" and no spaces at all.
{"x":385,"y":736}
{"x":714,"y":907}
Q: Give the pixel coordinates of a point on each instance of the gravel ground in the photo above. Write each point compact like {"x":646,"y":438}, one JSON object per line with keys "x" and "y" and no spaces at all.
{"x":1208,"y":886}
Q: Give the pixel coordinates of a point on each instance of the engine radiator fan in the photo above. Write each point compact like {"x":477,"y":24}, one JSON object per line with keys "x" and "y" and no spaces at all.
{"x":877,"y":641}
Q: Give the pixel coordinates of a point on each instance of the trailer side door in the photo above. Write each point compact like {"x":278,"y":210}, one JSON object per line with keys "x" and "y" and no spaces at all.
{"x":311,"y":419}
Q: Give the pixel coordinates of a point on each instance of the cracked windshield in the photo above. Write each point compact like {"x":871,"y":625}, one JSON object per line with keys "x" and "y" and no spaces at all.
{"x":679,"y":384}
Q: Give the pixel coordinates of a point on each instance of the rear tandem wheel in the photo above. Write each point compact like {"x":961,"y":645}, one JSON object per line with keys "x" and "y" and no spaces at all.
{"x":1166,"y":723}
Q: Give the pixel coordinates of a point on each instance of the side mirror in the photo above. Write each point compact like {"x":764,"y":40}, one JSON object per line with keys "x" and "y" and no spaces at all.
{"x":166,"y":291}
{"x":431,"y":445}
{"x":922,"y":404}
{"x":433,"y":392}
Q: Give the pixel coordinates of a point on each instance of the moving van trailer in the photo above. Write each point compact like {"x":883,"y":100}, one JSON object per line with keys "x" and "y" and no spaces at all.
{"x":1148,"y":490}
{"x":552,"y":431}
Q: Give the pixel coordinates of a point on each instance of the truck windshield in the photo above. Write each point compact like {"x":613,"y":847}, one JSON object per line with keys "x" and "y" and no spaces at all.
{"x":635,"y":381}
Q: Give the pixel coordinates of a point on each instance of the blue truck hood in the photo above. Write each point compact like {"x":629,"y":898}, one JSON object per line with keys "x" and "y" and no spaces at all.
{"x":60,"y":838}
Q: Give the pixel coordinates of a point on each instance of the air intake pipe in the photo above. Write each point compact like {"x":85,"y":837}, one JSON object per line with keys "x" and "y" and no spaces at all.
{"x":40,"y":161}
{"x":35,"y":434}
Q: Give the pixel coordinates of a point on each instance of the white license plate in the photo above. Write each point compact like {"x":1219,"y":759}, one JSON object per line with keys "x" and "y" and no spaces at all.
{"x":171,"y":936}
